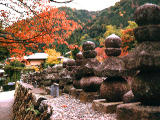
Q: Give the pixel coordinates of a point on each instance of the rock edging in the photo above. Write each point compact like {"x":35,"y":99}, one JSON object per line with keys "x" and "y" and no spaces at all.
{"x":30,"y":105}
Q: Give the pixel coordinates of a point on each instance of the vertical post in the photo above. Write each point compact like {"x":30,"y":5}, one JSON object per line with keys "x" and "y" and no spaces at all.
{"x":35,"y":84}
{"x":52,"y":90}
{"x":55,"y":90}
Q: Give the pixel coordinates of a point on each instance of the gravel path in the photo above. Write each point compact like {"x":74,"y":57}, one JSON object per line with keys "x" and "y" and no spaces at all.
{"x":67,"y":108}
{"x":64,"y":108}
{"x":6,"y":102}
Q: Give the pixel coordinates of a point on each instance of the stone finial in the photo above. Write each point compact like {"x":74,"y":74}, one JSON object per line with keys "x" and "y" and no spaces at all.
{"x":70,"y":64}
{"x":147,"y":14}
{"x":79,"y":59}
{"x":113,"y":43}
{"x":114,"y":86}
{"x":79,"y":55}
{"x":147,"y":17}
{"x":88,"y":49}
{"x":88,"y":45}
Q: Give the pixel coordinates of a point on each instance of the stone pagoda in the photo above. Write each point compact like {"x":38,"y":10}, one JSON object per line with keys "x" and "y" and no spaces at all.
{"x":145,"y":59}
{"x":84,"y":73}
{"x":113,"y":68}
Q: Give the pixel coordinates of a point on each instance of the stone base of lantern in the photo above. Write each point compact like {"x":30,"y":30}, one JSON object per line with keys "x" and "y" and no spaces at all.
{"x":136,"y":111}
{"x":84,"y":96}
{"x":88,"y":96}
{"x":75,"y":92}
{"x":47,"y":89}
{"x":101,"y":105}
{"x":67,"y":88}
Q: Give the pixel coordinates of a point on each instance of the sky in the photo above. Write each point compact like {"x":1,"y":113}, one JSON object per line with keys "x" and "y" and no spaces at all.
{"x":91,"y":5}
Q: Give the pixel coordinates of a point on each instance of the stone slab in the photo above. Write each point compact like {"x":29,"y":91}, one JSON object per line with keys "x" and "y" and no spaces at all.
{"x":135,"y":111}
{"x":75,"y":92}
{"x":83,"y":96}
{"x":101,"y":105}
{"x":67,"y":88}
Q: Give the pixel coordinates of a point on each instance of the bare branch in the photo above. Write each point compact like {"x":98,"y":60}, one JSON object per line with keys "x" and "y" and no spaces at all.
{"x":17,"y":40}
{"x":28,"y":7}
{"x":23,"y":42}
{"x":62,"y":1}
{"x":6,"y":5}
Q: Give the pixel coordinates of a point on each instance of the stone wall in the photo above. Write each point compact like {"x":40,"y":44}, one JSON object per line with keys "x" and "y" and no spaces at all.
{"x":49,"y":76}
{"x":30,"y":103}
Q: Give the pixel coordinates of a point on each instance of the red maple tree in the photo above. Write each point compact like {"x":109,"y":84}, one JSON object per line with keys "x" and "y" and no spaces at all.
{"x":46,"y":27}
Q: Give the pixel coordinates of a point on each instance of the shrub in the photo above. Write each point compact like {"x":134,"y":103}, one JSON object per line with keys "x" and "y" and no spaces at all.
{"x":13,"y":70}
{"x":53,"y":56}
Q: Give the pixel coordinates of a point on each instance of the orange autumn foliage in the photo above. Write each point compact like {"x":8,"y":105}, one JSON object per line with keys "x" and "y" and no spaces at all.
{"x":101,"y":55}
{"x":45,"y":28}
{"x":128,"y":41}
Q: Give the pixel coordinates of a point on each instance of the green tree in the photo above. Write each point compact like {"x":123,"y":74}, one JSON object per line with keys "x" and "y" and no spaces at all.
{"x":110,"y":29}
{"x":4,"y":53}
{"x":131,"y":25}
{"x":128,"y":39}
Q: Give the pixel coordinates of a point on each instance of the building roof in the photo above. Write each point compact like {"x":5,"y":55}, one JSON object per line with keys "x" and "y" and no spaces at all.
{"x":1,"y":71}
{"x":37,"y":56}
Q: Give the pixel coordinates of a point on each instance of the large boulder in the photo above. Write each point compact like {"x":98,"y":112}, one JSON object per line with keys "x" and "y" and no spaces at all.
{"x":147,"y":33}
{"x":146,"y":88}
{"x":144,"y":57}
{"x":112,"y":66}
{"x":113,"y":51}
{"x":91,"y":84}
{"x":76,"y":84}
{"x":113,"y":88}
{"x":86,"y":69}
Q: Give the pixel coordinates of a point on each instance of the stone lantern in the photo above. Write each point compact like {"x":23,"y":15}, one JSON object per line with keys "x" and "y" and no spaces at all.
{"x":84,"y":74}
{"x":75,"y":75}
{"x":146,"y":56}
{"x":66,"y":80}
{"x":113,"y":68}
{"x":146,"y":59}
{"x":79,"y":59}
